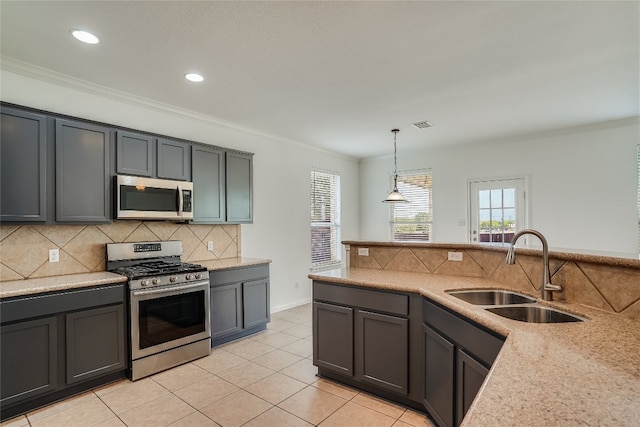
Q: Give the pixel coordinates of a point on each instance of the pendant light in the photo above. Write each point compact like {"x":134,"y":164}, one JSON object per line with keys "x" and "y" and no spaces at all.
{"x":395,"y":196}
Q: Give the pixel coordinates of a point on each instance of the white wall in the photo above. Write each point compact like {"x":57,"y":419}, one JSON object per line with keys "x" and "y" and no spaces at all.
{"x":582,"y":181}
{"x":280,"y":231}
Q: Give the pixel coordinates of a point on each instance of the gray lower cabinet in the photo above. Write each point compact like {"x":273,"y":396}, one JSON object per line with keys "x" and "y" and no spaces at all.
{"x":470,"y":375}
{"x":439,"y":375}
{"x":59,"y":344}
{"x":239,"y":187}
{"x":239,"y":302}
{"x":135,"y":154}
{"x":457,"y":357}
{"x":362,"y":335}
{"x":226,"y":310}
{"x":375,"y":334}
{"x":333,"y":337}
{"x":95,"y":342}
{"x":208,"y":173}
{"x":174,"y":159}
{"x":82,"y":172}
{"x":23,"y":168}
{"x":28,"y":357}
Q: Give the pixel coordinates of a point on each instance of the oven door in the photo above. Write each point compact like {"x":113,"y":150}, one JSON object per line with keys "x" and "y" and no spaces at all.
{"x":169,"y":317}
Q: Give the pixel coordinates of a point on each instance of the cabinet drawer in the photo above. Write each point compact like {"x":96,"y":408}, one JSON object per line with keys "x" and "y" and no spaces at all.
{"x":242,"y":274}
{"x":388,"y":302}
{"x":42,"y":305}
{"x":482,"y":344}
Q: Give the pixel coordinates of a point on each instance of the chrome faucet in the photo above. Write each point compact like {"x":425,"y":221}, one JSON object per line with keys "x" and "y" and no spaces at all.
{"x":547,"y":288}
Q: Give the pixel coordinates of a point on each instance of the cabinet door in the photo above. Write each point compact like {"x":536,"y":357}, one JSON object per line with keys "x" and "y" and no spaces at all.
{"x":208,"y":184}
{"x":94,"y":343}
{"x":333,"y":337}
{"x":82,"y":172}
{"x":469,"y":379}
{"x":174,"y":160}
{"x":134,"y":154}
{"x":28,"y":357}
{"x":255,"y":300}
{"x":376,"y":335}
{"x":239,"y":187}
{"x":439,"y":356}
{"x":23,"y":154}
{"x":226,"y":309}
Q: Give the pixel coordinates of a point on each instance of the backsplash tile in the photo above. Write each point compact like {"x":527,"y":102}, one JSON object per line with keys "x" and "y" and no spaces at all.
{"x":609,"y":288}
{"x":24,"y":250}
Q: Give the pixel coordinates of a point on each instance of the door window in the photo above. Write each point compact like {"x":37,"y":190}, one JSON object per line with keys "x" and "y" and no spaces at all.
{"x":497,"y":210}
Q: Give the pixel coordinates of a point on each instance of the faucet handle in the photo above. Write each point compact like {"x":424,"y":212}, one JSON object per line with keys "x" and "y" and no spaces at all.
{"x":552,"y":287}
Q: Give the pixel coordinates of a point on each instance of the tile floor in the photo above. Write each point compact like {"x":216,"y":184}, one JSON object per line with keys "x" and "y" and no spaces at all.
{"x":263,"y":380}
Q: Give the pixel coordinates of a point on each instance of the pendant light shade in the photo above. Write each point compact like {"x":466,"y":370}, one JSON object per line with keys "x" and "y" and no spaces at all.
{"x":395,"y":196}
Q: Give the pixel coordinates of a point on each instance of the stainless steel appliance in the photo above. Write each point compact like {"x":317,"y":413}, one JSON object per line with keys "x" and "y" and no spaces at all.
{"x":148,"y":198}
{"x":168,"y":305}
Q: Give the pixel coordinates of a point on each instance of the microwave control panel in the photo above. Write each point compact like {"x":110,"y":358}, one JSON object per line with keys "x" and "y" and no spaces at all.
{"x":186,"y":200}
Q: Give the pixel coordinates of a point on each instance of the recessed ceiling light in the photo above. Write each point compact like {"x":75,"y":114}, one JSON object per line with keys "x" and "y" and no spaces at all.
{"x":85,"y":36}
{"x":194,"y":77}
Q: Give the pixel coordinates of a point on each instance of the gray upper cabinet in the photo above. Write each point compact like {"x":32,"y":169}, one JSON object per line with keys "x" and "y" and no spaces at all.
{"x":174,"y":160}
{"x":57,"y":169}
{"x":82,"y":172}
{"x":23,"y":154}
{"x":135,"y":154}
{"x":208,"y":184}
{"x":239,"y":187}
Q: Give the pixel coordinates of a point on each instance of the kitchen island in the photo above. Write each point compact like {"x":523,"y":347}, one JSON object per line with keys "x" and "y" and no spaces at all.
{"x":546,"y":374}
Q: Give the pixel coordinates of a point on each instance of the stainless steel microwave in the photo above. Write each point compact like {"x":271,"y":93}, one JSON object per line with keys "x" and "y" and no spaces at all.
{"x":149,"y":198}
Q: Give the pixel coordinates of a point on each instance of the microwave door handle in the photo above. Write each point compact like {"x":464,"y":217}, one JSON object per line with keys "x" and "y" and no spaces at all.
{"x":180,"y":201}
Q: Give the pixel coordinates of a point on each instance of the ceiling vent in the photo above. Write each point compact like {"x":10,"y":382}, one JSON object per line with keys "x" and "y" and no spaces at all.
{"x":422,"y":125}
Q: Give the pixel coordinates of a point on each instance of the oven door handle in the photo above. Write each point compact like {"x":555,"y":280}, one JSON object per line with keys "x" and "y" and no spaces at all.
{"x":168,"y":289}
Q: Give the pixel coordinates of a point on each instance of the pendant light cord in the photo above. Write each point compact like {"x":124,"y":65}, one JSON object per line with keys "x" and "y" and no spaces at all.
{"x":395,"y":160}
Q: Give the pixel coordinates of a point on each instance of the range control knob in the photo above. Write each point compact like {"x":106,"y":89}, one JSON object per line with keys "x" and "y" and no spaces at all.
{"x":188,"y":277}
{"x":155,"y":281}
{"x":144,"y":282}
{"x":173,"y":279}
{"x":198,"y":275}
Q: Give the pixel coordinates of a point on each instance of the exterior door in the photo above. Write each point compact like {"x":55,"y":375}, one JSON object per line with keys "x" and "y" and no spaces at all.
{"x":497,"y":209}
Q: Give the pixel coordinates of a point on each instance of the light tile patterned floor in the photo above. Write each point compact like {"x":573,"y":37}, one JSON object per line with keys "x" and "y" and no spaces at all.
{"x":263,"y":380}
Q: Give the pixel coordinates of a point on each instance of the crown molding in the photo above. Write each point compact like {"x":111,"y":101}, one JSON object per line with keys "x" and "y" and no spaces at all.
{"x":49,"y":76}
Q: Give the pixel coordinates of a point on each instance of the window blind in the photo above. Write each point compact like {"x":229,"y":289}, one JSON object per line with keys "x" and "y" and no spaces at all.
{"x":412,"y":221}
{"x":325,"y":219}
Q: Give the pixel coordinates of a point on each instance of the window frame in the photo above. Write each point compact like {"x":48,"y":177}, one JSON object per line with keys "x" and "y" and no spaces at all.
{"x":334,"y":222}
{"x":411,"y":197}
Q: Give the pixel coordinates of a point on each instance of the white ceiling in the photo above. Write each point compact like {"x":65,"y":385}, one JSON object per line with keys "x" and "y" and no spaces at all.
{"x":341,"y":75}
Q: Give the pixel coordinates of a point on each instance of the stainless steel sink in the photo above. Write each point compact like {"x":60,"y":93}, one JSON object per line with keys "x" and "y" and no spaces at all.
{"x":492,"y":297}
{"x":534,"y":314}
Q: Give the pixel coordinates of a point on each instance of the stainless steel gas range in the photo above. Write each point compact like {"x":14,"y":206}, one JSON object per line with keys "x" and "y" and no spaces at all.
{"x":168,"y":305}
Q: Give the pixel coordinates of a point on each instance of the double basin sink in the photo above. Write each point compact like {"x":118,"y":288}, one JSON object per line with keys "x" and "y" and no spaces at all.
{"x":515,"y":306}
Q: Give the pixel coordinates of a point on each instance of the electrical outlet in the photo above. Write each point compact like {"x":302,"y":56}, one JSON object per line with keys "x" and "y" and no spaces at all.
{"x":54,"y":255}
{"x":454,"y":256}
{"x":363,"y":251}
{"x":209,"y":246}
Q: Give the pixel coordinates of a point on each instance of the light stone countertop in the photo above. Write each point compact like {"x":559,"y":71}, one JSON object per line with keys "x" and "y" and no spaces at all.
{"x":17,"y":288}
{"x":569,"y":374}
{"x":225,"y":263}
